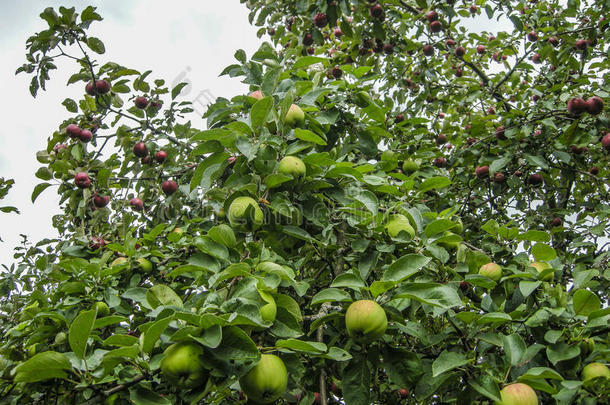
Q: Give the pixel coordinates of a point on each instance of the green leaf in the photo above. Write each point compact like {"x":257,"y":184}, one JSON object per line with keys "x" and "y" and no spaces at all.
{"x":447,"y":361}
{"x":39,"y":189}
{"x":161,"y":294}
{"x":405,"y":267}
{"x":223,"y":234}
{"x":433,"y":183}
{"x":306,"y":61}
{"x":561,"y":351}
{"x":439,"y":226}
{"x":79,"y":332}
{"x":211,"y":337}
{"x":498,"y":164}
{"x":298,"y":233}
{"x":535,"y":236}
{"x":514,"y":347}
{"x":140,"y":395}
{"x":356,"y":382}
{"x":349,"y":280}
{"x":438,"y":295}
{"x":495,"y":317}
{"x":260,"y":110}
{"x":536,"y":373}
{"x":43,"y":366}
{"x":176,"y":90}
{"x":330,"y":295}
{"x":403,"y":367}
{"x":276,"y":179}
{"x":153,"y":332}
{"x":585,"y":302}
{"x":96,"y":45}
{"x":543,"y":252}
{"x":302,"y":346}
{"x":308,"y":136}
{"x":70,"y":105}
{"x":236,"y":354}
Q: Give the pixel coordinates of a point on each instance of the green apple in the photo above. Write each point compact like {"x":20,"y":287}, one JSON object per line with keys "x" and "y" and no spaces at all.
{"x":292,"y":166}
{"x":267,"y":381}
{"x":541,"y":266}
{"x":60,"y":338}
{"x":102,"y":309}
{"x":118,"y":261}
{"x":365,"y":321}
{"x":182,"y":365}
{"x":410,"y":166}
{"x":144,"y":264}
{"x":295,"y":117}
{"x":238,"y":211}
{"x":518,"y":394}
{"x":491,"y":270}
{"x":399,"y":223}
{"x":593,"y":370}
{"x":459,"y":228}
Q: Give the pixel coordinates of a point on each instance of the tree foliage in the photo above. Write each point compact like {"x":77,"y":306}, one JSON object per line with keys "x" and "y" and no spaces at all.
{"x":431,"y":148}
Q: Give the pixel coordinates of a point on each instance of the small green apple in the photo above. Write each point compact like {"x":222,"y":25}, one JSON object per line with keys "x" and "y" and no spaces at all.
{"x":292,"y":166}
{"x":144,"y":264}
{"x":365,"y":321}
{"x":102,"y":309}
{"x":60,"y":338}
{"x":267,"y":381}
{"x":295,"y":117}
{"x":399,"y":223}
{"x":410,"y":166}
{"x":238,"y":211}
{"x":518,"y":394}
{"x":182,"y":366}
{"x":118,"y":261}
{"x":594,"y":370}
{"x":491,"y":270}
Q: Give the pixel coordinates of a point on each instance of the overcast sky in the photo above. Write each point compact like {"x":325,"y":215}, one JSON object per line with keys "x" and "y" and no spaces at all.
{"x":190,"y":40}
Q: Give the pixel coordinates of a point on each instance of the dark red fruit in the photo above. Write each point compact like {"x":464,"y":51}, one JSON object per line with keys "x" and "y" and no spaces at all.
{"x":96,"y":242}
{"x":320,"y":20}
{"x":474,"y":9}
{"x":307,"y":39}
{"x":594,"y":170}
{"x":449,"y":43}
{"x":338,"y":33}
{"x":482,"y":171}
{"x":518,"y":173}
{"x":431,"y":16}
{"x":480,"y":49}
{"x":428,"y":50}
{"x":310,"y":50}
{"x":464,"y":286}
{"x":499,"y":177}
{"x":169,"y":187}
{"x":81,"y":179}
{"x":606,"y":141}
{"x":553,"y":41}
{"x":141,"y":102}
{"x":581,"y":44}
{"x":436,"y":26}
{"x":460,"y":51}
{"x":440,"y":162}
{"x":441,"y":139}
{"x":136,"y":204}
{"x":535,"y":179}
{"x":90,"y":88}
{"x":399,"y":118}
{"x":73,"y":130}
{"x":535,"y":98}
{"x":102,"y":87}
{"x":403,"y":393}
{"x":532,"y":36}
{"x":536,"y":58}
{"x":334,"y":388}
{"x":459,"y":72}
{"x":140,"y":149}
{"x":101,"y":201}
{"x":556,"y":222}
{"x":388,"y":48}
{"x":161,"y":156}
{"x":576,"y":106}
{"x":317,"y":398}
{"x":595,"y":105}
{"x":336,"y":72}
{"x":59,"y":147}
{"x":85,"y":135}
{"x":376,"y":11}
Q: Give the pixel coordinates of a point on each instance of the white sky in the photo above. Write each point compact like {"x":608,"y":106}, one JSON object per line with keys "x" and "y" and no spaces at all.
{"x":191,"y":38}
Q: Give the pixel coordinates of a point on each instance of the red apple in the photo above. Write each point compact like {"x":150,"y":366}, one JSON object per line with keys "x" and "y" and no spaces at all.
{"x":556,"y":222}
{"x":136,"y":204}
{"x":320,"y":20}
{"x":480,"y":49}
{"x":532,"y":36}
{"x":140,"y":149}
{"x":606,"y":141}
{"x":59,"y":147}
{"x":376,"y":11}
{"x":553,"y":41}
{"x":336,"y":72}
{"x":449,"y":43}
{"x":73,"y":130}
{"x":399,"y":118}
{"x":459,"y":72}
{"x":388,"y":48}
{"x":310,"y":50}
{"x":482,"y":171}
{"x":141,"y":102}
{"x":440,"y":162}
{"x":500,"y":133}
{"x":102,"y":87}
{"x":161,"y":156}
{"x":536,"y":58}
{"x":581,"y":44}
{"x":338,"y":33}
{"x":169,"y":187}
{"x":535,"y":179}
{"x":595,"y":105}
{"x":436,"y":26}
{"x":334,"y":388}
{"x":441,"y":139}
{"x":499,"y":177}
{"x":428,"y":50}
{"x":85,"y":135}
{"x":460,"y":51}
{"x":576,"y":106}
{"x":101,"y":201}
{"x":317,"y":398}
{"x":594,"y":170}
{"x":90,"y":88}
{"x":403,"y":393}
{"x":96,"y":242}
{"x":81,"y":179}
{"x":307,"y":39}
{"x":431,"y":16}
{"x":474,"y":9}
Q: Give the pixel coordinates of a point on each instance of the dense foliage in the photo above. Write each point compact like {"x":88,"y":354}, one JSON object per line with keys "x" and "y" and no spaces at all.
{"x":392,"y":158}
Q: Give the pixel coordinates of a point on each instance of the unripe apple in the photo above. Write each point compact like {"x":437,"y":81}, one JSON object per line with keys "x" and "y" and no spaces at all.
{"x":101,"y":201}
{"x":144,"y":264}
{"x":269,"y":310}
{"x":410,"y":166}
{"x":482,"y":171}
{"x":169,"y":187}
{"x":460,"y":51}
{"x":540,"y":267}
{"x":292,"y":166}
{"x":436,"y":26}
{"x":140,"y":149}
{"x":295,"y":117}
{"x":182,"y":365}
{"x":491,"y":270}
{"x":606,"y":141}
{"x":535,"y":179}
{"x":267,"y":381}
{"x":73,"y":130}
{"x":85,"y":135}
{"x":320,"y":20}
{"x":102,"y":309}
{"x":161,"y":156}
{"x":60,"y":338}
{"x":518,"y":394}
{"x":118,"y":261}
{"x":365,"y":321}
{"x":141,"y":102}
{"x":594,"y":370}
{"x":431,"y":16}
{"x":136,"y":204}
{"x":81,"y":179}
{"x":238,"y":211}
{"x":399,"y":223}
{"x":594,"y":105}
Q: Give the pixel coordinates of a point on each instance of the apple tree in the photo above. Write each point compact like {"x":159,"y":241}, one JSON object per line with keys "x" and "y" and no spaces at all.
{"x":406,"y":207}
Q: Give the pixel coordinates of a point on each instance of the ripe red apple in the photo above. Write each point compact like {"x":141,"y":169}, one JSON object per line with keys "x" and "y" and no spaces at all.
{"x":480,"y":49}
{"x":482,"y":171}
{"x":73,"y":130}
{"x":320,"y":20}
{"x":428,"y":50}
{"x":169,"y":187}
{"x":474,"y":9}
{"x":532,"y":36}
{"x":161,"y":156}
{"x":518,"y":394}
{"x":271,"y":32}
{"x":464,"y":285}
{"x":460,"y":51}
{"x":581,"y":44}
{"x":156,"y":104}
{"x":59,"y":147}
{"x":606,"y":141}
{"x":101,"y":201}
{"x":449,"y":43}
{"x":102,"y":87}
{"x":403,"y":393}
{"x":536,"y":58}
{"x":441,"y":139}
{"x":85,"y":135}
{"x":90,"y":88}
{"x":338,"y":33}
{"x":96,"y":242}
{"x":535,"y":98}
{"x":556,"y":222}
{"x":307,"y":39}
{"x":499,"y":177}
{"x":388,"y":48}
{"x":553,"y":41}
{"x":140,"y":149}
{"x":399,"y":118}
{"x":141,"y":102}
{"x":471,"y":141}
{"x":136,"y":204}
{"x":431,"y":16}
{"x":535,"y":179}
{"x":81,"y":179}
{"x":440,"y":162}
{"x":594,"y":170}
{"x":336,"y":72}
{"x":594,"y":105}
{"x":376,"y":11}
{"x":436,"y":26}
{"x":459,"y":72}
{"x":491,"y":38}
{"x":576,"y":106}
